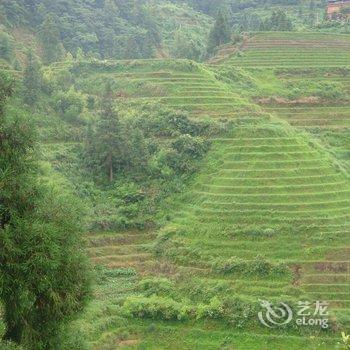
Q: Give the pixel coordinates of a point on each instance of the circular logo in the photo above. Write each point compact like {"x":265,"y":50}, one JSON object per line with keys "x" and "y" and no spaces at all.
{"x":275,"y":315}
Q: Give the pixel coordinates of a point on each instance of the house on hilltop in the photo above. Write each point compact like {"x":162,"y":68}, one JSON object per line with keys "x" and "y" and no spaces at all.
{"x":338,"y":8}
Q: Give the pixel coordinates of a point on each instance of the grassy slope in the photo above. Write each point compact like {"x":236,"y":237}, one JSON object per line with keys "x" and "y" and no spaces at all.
{"x":176,"y":83}
{"x":309,"y":59}
{"x":266,"y":188}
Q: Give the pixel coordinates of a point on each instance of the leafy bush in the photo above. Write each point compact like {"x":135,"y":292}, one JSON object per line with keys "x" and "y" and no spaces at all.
{"x":73,"y":337}
{"x":69,"y":104}
{"x":330,"y":91}
{"x":279,"y":21}
{"x":175,"y":250}
{"x":232,"y":310}
{"x":156,"y":286}
{"x":213,"y":310}
{"x":233,"y":265}
{"x":155,"y":307}
{"x":257,"y":267}
{"x":204,"y":291}
{"x":238,"y":312}
{"x":165,"y":122}
{"x":181,"y":157}
{"x":323,"y":90}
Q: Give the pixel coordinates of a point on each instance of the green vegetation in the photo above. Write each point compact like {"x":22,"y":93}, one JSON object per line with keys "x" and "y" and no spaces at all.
{"x":50,"y":38}
{"x":274,"y":50}
{"x":202,"y":189}
{"x":264,"y":187}
{"x":220,"y":33}
{"x":43,"y":275}
{"x":31,"y":80}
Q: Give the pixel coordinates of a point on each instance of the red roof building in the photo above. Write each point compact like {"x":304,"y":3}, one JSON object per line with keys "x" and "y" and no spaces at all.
{"x":336,"y":7}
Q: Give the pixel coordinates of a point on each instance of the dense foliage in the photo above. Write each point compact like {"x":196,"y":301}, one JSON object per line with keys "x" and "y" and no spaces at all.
{"x":43,"y":271}
{"x":139,"y":157}
{"x":128,"y":147}
{"x":142,"y":29}
{"x":220,"y":33}
{"x":123,"y":29}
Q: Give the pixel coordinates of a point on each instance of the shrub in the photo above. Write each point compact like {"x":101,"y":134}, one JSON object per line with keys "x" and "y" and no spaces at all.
{"x":238,"y":312}
{"x":73,"y":338}
{"x":280,"y":269}
{"x":232,"y":310}
{"x":156,"y":121}
{"x":257,"y":267}
{"x":197,"y":289}
{"x":69,"y":104}
{"x":155,"y":307}
{"x":184,"y":151}
{"x":330,"y":91}
{"x":213,"y":310}
{"x":231,"y":265}
{"x":156,"y":286}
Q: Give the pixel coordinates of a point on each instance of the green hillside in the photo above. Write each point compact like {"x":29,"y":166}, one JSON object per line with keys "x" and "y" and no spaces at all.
{"x":240,"y":231}
{"x":206,"y":188}
{"x":103,"y":29}
{"x":308,"y":82}
{"x":178,"y":84}
{"x":293,"y":50}
{"x":267,"y":217}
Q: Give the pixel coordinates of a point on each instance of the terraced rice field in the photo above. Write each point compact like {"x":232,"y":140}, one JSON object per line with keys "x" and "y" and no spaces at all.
{"x":268,"y":191}
{"x":293,"y":50}
{"x":318,"y":59}
{"x":329,"y":120}
{"x":275,"y":193}
{"x":265,"y":190}
{"x":178,"y":84}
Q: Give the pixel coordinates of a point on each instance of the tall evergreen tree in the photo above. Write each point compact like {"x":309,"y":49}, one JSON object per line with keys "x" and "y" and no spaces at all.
{"x":43,"y":271}
{"x":220,"y":33}
{"x":31,"y":80}
{"x":105,"y":150}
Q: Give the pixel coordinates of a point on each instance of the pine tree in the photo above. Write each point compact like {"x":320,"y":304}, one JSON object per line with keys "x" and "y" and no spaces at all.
{"x":31,"y":80}
{"x":105,"y":149}
{"x":220,"y":33}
